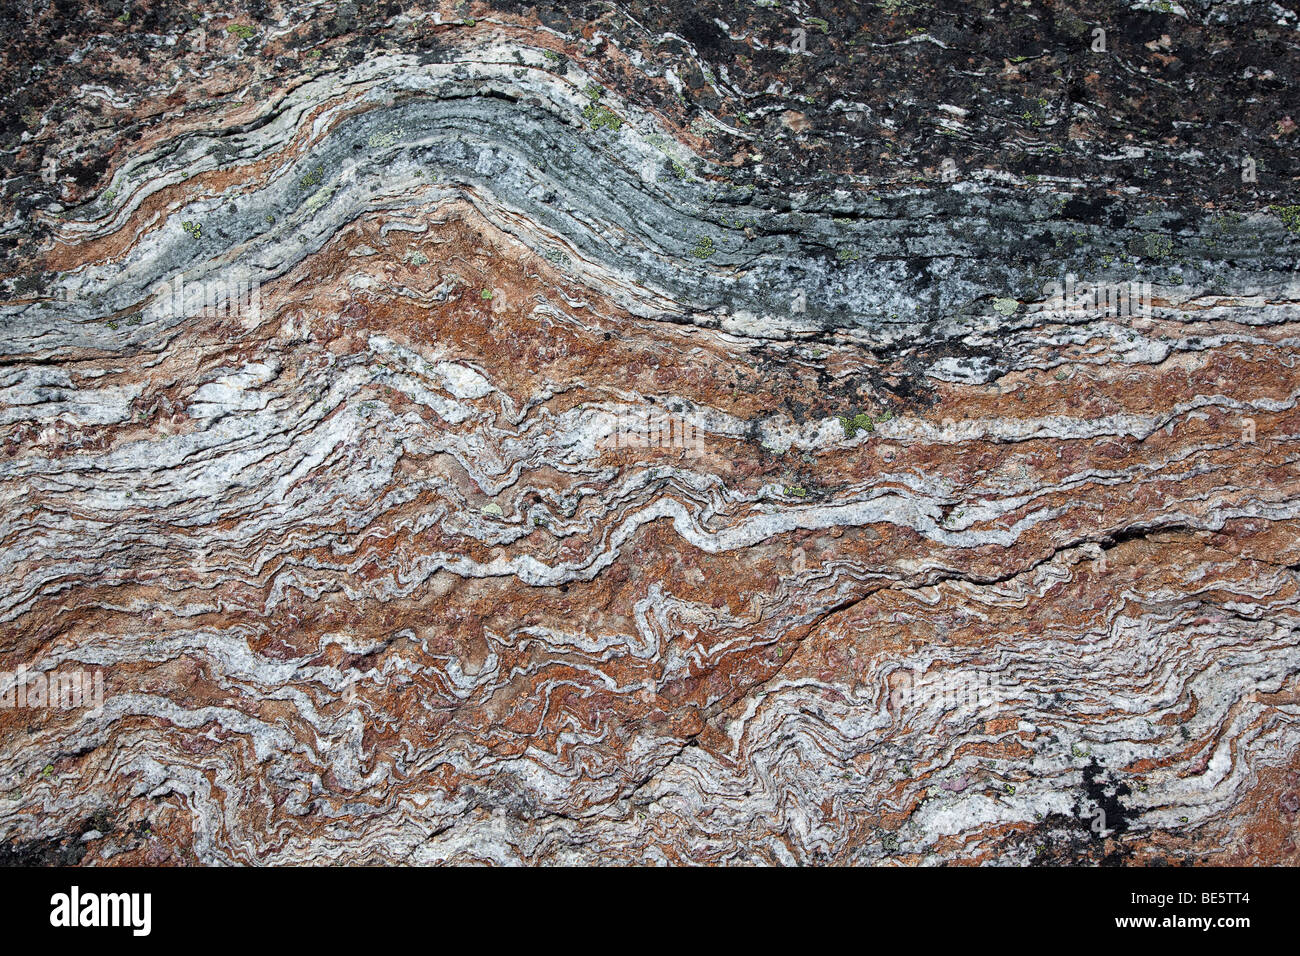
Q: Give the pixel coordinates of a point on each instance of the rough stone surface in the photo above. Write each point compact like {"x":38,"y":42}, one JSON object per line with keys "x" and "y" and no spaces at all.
{"x":328,"y":331}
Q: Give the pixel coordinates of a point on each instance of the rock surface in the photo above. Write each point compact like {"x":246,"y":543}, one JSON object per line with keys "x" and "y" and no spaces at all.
{"x":651,"y":433}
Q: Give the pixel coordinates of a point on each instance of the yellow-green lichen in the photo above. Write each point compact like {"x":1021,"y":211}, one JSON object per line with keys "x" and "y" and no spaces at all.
{"x":862,"y":422}
{"x":312,"y":179}
{"x":1290,"y":216}
{"x":601,"y":117}
{"x":1152,"y":246}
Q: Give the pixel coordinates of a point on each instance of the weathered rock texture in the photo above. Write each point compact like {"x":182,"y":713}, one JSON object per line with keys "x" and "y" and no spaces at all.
{"x":324,"y":327}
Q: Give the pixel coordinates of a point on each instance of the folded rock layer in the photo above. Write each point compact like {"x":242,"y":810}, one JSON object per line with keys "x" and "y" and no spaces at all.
{"x":635,"y":434}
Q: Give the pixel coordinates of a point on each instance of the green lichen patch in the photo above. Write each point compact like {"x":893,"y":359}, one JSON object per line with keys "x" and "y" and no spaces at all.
{"x":312,"y":179}
{"x":703,"y":248}
{"x":861,"y":422}
{"x":556,"y":255}
{"x":602,"y":117}
{"x":241,"y":30}
{"x":1152,"y":246}
{"x":1290,"y":216}
{"x":195,"y":229}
